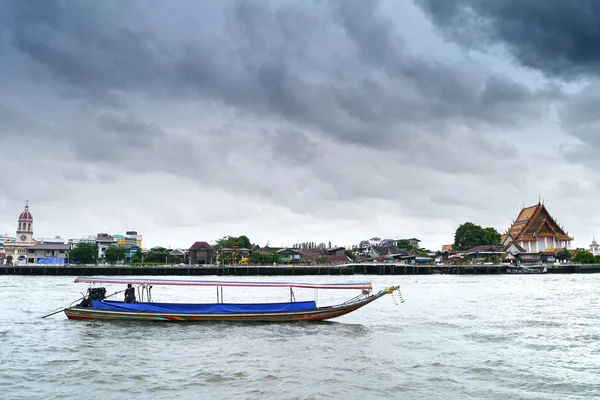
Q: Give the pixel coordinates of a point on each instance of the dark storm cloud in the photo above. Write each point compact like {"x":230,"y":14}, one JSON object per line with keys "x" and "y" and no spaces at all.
{"x":268,"y":63}
{"x":554,"y":36}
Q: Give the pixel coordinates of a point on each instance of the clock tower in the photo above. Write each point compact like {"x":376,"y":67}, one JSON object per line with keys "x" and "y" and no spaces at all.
{"x":25,"y":228}
{"x":17,"y":251}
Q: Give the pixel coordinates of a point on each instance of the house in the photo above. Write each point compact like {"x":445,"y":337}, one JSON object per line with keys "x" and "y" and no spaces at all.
{"x":336,"y":251}
{"x":414,"y":242}
{"x":177,"y":253}
{"x":48,"y":254}
{"x":131,"y":251}
{"x":484,"y":253}
{"x":201,"y":253}
{"x":336,"y":259}
{"x":290,"y":255}
{"x":232,"y":255}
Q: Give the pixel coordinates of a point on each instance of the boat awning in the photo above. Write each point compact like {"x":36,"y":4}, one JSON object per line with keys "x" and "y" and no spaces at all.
{"x":194,"y":282}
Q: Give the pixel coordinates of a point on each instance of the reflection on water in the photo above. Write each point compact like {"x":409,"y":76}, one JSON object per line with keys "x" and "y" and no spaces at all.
{"x":484,"y":337}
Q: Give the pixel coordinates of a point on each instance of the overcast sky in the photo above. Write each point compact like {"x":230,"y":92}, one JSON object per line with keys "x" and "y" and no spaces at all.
{"x":293,"y":121}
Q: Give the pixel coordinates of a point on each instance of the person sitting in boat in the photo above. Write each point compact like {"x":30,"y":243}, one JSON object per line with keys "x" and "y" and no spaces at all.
{"x":129,"y":294}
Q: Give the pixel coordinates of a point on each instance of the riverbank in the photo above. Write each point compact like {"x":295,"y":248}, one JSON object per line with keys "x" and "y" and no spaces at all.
{"x":284,"y":269}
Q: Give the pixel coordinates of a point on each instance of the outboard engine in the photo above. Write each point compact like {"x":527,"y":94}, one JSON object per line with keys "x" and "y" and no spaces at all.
{"x":96,"y":293}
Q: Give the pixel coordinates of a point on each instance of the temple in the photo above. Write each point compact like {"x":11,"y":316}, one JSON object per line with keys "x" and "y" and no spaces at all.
{"x":535,"y":235}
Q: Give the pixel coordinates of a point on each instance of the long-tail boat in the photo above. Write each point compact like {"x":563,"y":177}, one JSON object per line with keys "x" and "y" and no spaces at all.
{"x":95,"y":304}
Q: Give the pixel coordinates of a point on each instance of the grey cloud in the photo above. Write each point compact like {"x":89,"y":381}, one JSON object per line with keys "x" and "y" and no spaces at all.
{"x":313,"y":109}
{"x":272,"y":72}
{"x":293,"y":147}
{"x":130,"y":130}
{"x":554,"y":36}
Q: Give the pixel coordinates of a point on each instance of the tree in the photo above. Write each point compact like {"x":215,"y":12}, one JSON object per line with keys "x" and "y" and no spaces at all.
{"x":111,"y":255}
{"x":350,"y":255}
{"x":255,"y":258}
{"x":157,"y":255}
{"x":84,"y":253}
{"x":232,"y":241}
{"x":137,"y":256}
{"x":563,"y":255}
{"x":584,"y":257}
{"x":597,"y":259}
{"x":469,"y":235}
{"x":403,"y":244}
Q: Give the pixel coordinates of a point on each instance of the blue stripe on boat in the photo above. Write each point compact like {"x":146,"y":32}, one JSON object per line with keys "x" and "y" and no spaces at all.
{"x":204,"y":308}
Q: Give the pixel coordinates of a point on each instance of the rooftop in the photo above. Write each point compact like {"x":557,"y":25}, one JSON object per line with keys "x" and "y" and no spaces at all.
{"x":201,"y":245}
{"x":50,"y":247}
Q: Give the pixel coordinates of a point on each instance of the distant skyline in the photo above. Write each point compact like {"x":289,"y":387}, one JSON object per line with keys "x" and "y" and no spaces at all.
{"x":299,"y":120}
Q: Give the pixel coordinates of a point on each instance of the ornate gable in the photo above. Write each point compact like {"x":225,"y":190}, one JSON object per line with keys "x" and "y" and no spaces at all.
{"x":536,"y":221}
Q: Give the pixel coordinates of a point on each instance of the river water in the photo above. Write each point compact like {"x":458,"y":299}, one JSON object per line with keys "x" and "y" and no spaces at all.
{"x":454,"y":337}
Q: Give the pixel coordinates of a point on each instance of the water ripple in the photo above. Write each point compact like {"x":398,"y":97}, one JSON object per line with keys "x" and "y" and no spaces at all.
{"x":454,"y":338}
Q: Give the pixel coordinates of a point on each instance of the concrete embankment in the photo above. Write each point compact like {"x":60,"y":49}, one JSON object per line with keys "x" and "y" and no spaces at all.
{"x":254,"y":270}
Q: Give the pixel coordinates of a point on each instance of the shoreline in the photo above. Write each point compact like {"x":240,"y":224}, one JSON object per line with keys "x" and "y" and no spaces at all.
{"x":284,"y":270}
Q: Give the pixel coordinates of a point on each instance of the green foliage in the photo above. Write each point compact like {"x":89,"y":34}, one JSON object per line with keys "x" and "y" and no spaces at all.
{"x":114,"y":254}
{"x":137,"y":256}
{"x":309,"y":246}
{"x":564,"y":254}
{"x":232,"y":241}
{"x":597,"y":259}
{"x":158,"y":255}
{"x":350,"y":255}
{"x":84,"y":253}
{"x":584,"y":257}
{"x":469,"y":235}
{"x":403,"y":244}
{"x":256,"y":258}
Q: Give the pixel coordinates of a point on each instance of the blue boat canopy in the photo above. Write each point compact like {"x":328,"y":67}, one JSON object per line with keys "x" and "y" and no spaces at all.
{"x":195,"y":282}
{"x":221,"y":308}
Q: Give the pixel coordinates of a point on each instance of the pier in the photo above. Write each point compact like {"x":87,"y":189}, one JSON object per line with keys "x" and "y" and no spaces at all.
{"x":282,"y":269}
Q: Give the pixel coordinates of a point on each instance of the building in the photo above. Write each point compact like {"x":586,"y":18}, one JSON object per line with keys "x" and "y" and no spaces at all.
{"x":90,"y":239}
{"x":535,"y":233}
{"x":232,"y":255}
{"x":414,"y":242}
{"x":201,"y":253}
{"x":131,"y":238}
{"x":336,"y":251}
{"x":16,"y":252}
{"x":336,"y":259}
{"x":485,"y":253}
{"x":290,"y":255}
{"x":104,"y":241}
{"x":56,"y":254}
{"x":54,"y":240}
{"x":595,"y":247}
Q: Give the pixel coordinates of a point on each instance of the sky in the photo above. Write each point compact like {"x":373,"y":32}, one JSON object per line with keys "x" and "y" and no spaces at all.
{"x":297,"y":120}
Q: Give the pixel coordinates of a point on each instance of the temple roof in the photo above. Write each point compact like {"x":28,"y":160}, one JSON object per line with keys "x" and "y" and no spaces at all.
{"x":536,"y":221}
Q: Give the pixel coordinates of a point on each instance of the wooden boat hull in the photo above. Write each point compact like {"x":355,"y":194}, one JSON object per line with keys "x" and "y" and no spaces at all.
{"x":320,"y":314}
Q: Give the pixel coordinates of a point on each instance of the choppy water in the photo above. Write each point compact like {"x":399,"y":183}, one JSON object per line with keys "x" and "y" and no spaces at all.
{"x":455,"y":337}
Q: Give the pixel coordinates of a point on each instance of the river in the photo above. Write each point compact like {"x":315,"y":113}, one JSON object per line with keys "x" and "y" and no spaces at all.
{"x":454,"y":337}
